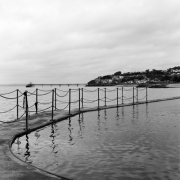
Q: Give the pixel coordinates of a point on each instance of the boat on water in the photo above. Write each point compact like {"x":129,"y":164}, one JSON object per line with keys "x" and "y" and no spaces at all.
{"x":30,"y":85}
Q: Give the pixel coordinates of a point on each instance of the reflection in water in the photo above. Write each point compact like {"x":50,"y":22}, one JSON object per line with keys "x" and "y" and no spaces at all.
{"x":37,"y":135}
{"x":70,"y":132}
{"x":105,"y":120}
{"x":53,"y":136}
{"x":140,"y":143}
{"x":99,"y":121}
{"x":133,"y":115}
{"x":122,"y":114}
{"x":27,"y":152}
{"x":135,"y":112}
{"x":147,"y":110}
{"x":82,"y":118}
{"x":117,"y":117}
{"x":81,"y":125}
{"x":18,"y":142}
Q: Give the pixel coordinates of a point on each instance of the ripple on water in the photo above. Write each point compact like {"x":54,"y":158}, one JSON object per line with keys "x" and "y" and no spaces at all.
{"x":140,"y":142}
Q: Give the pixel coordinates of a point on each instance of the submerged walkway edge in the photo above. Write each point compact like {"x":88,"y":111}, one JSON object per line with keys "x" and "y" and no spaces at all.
{"x":11,"y":167}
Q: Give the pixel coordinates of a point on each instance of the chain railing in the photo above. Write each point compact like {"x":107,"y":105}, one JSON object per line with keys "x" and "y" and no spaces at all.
{"x":60,"y":97}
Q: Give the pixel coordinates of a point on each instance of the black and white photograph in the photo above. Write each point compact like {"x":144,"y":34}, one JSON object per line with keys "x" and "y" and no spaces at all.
{"x":89,"y":89}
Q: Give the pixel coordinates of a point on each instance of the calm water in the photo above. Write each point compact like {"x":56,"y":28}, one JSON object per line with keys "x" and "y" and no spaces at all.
{"x":90,"y":96}
{"x":130,"y":143}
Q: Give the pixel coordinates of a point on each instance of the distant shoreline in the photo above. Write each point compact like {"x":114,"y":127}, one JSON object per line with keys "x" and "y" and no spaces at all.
{"x":169,"y":85}
{"x":157,"y":84}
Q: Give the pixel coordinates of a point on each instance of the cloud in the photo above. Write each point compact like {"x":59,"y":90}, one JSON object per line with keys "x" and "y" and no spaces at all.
{"x":76,"y":41}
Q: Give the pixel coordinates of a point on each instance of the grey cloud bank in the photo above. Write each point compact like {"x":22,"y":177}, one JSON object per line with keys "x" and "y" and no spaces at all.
{"x":75,"y":41}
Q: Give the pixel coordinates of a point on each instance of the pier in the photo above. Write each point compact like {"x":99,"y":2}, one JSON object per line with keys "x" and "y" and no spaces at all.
{"x":75,"y":84}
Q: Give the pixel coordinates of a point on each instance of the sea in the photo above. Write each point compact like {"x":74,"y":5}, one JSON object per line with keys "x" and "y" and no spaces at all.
{"x":128,"y":143}
{"x":140,"y":142}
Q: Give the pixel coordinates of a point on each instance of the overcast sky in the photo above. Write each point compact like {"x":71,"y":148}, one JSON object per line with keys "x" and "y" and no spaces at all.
{"x":73,"y":41}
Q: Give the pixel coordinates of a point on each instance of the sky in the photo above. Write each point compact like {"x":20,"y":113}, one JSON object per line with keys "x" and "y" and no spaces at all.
{"x":75,"y":41}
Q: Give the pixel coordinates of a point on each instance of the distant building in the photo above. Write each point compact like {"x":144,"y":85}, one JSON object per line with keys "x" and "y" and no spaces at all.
{"x":106,"y":81}
{"x":176,"y":70}
{"x":117,"y":77}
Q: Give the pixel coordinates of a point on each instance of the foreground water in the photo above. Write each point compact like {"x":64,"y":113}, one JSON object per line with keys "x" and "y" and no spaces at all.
{"x":128,"y":143}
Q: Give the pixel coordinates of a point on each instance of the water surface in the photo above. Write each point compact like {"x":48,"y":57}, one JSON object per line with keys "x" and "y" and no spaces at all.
{"x":128,"y":143}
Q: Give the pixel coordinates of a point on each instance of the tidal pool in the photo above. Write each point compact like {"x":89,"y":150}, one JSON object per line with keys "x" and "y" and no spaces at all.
{"x":127,"y":143}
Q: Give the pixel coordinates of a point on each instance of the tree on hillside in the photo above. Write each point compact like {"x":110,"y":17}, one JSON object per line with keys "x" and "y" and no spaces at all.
{"x":117,"y":73}
{"x":139,"y":77}
{"x":176,"y":67}
{"x":92,"y":82}
{"x":107,"y":77}
{"x":166,"y":78}
{"x":147,"y":71}
{"x":157,"y":72}
{"x":175,"y":78}
{"x":127,"y":74}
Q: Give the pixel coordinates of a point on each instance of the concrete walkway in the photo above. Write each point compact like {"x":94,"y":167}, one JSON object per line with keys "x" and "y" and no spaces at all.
{"x":12,"y":168}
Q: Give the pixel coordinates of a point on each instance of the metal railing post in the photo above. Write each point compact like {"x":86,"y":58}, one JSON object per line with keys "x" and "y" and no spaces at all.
{"x":36,"y":104}
{"x":52,"y":104}
{"x":55,"y":98}
{"x":122,"y":96}
{"x":82,"y":97}
{"x":17,"y":105}
{"x":69,"y":101}
{"x":98,"y":98}
{"x":117,"y":97}
{"x":79,"y":99}
{"x":133,"y":95}
{"x":105,"y":95}
{"x":25,"y":93}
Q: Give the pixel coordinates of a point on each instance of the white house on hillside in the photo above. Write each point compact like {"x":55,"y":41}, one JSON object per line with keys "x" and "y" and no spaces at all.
{"x":118,"y":77}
